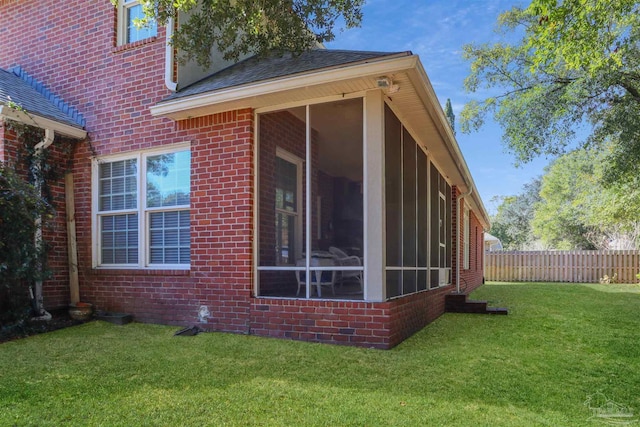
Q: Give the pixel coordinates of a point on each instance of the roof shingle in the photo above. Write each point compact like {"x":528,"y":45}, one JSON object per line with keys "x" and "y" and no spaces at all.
{"x":256,"y":69}
{"x":18,"y":87}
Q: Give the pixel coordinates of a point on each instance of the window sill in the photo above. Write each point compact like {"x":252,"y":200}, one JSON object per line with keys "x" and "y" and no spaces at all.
{"x":138,"y":272}
{"x":129,"y":46}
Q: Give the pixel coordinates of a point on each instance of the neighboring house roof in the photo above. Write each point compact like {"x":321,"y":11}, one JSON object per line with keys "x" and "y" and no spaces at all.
{"x":256,"y":69}
{"x":492,"y":242}
{"x":36,"y":101}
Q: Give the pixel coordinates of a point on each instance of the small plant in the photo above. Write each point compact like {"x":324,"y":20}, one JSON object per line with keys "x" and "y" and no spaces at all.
{"x":609,"y":280}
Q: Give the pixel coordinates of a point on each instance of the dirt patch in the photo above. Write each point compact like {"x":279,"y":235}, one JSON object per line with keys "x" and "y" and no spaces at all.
{"x":59,"y":319}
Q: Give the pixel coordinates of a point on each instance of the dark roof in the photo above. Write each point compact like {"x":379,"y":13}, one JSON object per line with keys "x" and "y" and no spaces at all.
{"x":26,"y":92}
{"x":256,"y":69}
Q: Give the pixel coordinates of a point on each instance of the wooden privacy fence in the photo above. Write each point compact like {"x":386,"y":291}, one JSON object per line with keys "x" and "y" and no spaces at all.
{"x":561,"y":266}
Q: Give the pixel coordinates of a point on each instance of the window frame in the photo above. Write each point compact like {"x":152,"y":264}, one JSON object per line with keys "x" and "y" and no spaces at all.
{"x":143,"y":212}
{"x":297,"y":215}
{"x":123,"y":22}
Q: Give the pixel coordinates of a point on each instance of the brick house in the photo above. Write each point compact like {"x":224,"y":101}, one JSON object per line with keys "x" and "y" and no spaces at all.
{"x":321,"y":197}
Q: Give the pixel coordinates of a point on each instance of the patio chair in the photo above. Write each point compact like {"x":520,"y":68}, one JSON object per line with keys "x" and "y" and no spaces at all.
{"x":344,"y":260}
{"x":318,"y":278}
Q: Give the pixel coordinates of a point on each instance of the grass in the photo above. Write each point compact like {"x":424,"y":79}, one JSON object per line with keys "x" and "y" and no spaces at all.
{"x":559,"y":344}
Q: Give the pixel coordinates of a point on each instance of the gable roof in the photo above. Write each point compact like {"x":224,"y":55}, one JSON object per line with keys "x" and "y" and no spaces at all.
{"x":17,"y":87}
{"x":260,"y":83}
{"x":257,"y":69}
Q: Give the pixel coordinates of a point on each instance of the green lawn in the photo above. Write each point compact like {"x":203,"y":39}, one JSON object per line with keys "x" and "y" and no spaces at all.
{"x":559,"y":344}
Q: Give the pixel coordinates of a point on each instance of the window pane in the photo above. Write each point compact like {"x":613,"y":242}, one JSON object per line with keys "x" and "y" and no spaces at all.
{"x":286,"y":185}
{"x":169,"y":179}
{"x":119,"y":239}
{"x":285,"y":238}
{"x":134,"y":33}
{"x":117,"y":185}
{"x":169,"y":238}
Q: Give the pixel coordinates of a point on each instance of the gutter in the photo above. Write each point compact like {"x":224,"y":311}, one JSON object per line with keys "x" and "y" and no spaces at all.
{"x":181,"y":108}
{"x":31,"y":119}
{"x":169,"y":59}
{"x":451,"y":144}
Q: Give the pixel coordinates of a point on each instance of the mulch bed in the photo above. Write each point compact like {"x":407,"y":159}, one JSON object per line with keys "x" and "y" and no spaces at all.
{"x":60,"y":319}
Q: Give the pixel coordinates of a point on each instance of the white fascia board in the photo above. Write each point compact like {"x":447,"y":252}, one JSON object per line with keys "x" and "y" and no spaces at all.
{"x":41,"y":122}
{"x":183,"y":105}
{"x":450,"y":140}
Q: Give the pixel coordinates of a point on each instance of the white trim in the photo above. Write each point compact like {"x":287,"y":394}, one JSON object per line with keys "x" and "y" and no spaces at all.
{"x":179,"y":107}
{"x":311,"y":101}
{"x":256,"y":204}
{"x":31,"y":119}
{"x":299,"y":163}
{"x":141,"y":210}
{"x":374,"y":238}
{"x":308,"y":194}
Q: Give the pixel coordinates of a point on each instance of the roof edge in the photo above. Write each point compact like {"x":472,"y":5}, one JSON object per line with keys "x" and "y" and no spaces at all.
{"x":178,"y":108}
{"x":9,"y":113}
{"x":70,"y":111}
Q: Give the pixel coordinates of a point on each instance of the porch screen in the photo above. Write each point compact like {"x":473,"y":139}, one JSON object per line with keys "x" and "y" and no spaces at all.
{"x":310,"y":185}
{"x":417,"y":214}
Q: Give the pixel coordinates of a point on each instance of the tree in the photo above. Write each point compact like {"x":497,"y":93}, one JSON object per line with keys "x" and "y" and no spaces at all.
{"x":577,"y":212}
{"x":238,"y":27}
{"x":451,"y":118}
{"x":512,"y":222}
{"x":574,"y":63}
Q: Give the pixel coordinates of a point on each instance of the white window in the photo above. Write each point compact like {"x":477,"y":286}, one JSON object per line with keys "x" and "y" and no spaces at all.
{"x":141,"y":205}
{"x":466,"y":239}
{"x":288,"y":207}
{"x":128,"y":12}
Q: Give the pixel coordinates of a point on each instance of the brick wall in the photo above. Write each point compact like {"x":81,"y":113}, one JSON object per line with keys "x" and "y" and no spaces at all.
{"x":221,"y":236}
{"x":472,"y":277}
{"x":71,"y":48}
{"x":364,"y":324}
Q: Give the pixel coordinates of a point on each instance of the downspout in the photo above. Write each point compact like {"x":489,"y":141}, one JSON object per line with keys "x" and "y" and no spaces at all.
{"x":460,"y":197}
{"x":169,"y":59}
{"x":49,"y":135}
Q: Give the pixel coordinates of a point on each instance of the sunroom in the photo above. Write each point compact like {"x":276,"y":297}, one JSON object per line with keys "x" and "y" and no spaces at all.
{"x":321,"y":226}
{"x":355,"y":173}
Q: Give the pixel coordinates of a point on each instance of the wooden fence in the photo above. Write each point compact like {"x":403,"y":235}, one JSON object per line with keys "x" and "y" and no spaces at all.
{"x":561,"y":266}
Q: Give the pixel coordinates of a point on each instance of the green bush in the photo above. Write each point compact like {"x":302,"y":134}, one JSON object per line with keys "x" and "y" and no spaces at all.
{"x":21,"y":261}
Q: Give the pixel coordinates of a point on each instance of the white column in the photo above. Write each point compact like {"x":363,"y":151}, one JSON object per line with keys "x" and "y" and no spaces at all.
{"x":374,"y":204}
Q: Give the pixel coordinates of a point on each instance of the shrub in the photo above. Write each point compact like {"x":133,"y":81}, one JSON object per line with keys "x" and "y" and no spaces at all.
{"x":21,"y":261}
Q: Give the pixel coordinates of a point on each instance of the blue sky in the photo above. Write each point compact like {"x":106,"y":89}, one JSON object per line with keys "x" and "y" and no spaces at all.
{"x":436,"y":30}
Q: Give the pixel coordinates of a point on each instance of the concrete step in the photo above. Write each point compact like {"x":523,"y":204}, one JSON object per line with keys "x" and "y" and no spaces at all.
{"x":458,"y":303}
